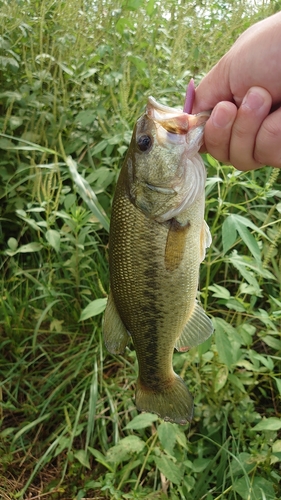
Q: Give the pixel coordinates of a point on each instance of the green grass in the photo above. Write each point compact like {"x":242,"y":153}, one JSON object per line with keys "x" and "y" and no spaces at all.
{"x":75,"y":77}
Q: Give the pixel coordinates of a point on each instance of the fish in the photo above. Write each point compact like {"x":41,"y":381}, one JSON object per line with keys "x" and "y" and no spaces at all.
{"x":158,"y":238}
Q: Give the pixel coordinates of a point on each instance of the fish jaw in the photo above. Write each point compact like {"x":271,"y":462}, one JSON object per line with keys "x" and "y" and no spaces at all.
{"x":176,"y":126}
{"x":178,"y":123}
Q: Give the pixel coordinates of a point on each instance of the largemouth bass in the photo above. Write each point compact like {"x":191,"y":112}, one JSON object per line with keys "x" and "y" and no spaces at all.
{"x":157,"y":241}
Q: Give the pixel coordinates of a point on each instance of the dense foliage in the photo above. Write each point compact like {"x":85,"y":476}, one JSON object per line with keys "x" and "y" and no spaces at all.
{"x":75,"y":75}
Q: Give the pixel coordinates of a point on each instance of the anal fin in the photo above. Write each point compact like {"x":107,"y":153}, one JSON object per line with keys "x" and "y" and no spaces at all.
{"x":197,"y":329}
{"x":115,"y":333}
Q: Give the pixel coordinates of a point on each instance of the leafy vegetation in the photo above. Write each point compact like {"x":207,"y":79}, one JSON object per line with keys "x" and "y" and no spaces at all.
{"x":75,"y":76}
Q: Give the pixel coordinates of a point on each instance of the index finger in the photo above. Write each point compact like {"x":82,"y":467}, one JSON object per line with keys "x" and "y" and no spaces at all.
{"x":212,"y":89}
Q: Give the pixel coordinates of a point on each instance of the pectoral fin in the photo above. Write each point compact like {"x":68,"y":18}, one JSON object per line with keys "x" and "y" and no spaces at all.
{"x":114,"y":332}
{"x":205,"y":240}
{"x":197,"y":329}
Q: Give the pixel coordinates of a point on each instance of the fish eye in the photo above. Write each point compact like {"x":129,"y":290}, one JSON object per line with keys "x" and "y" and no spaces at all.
{"x":144,"y":142}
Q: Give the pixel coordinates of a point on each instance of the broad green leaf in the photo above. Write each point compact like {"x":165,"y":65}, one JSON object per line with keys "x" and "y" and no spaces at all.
{"x":12,"y":244}
{"x":265,"y":360}
{"x":100,"y":179}
{"x":141,"y":421}
{"x":247,"y":289}
{"x":100,"y":458}
{"x":276,"y":451}
{"x":246,"y":333}
{"x":126,"y":447}
{"x":228,"y":352}
{"x":236,"y":304}
{"x":15,"y":122}
{"x":138,"y":62}
{"x":123,"y":24}
{"x":181,"y":437}
{"x":201,"y":464}
{"x":240,"y":220}
{"x":272,"y":342}
{"x":221,"y":378}
{"x":241,"y":463}
{"x":28,"y":248}
{"x":219,"y":291}
{"x":249,"y":241}
{"x":170,"y":470}
{"x":85,"y":117}
{"x":6,"y":143}
{"x":81,"y":456}
{"x":167,"y":433}
{"x":213,"y":162}
{"x":99,"y":147}
{"x":229,"y":234}
{"x":243,"y":261}
{"x":258,"y":489}
{"x":53,"y":238}
{"x":95,"y":307}
{"x":133,"y":4}
{"x":150,"y":7}
{"x":268,"y":424}
{"x":88,"y":73}
{"x":234,"y":380}
{"x":239,"y":224}
{"x":69,"y":200}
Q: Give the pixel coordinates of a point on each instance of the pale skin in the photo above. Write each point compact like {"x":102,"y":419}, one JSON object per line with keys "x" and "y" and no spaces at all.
{"x":244,"y":91}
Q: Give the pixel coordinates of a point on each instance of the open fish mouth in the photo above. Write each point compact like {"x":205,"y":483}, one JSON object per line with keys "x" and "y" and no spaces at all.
{"x":174,"y":126}
{"x":173,"y":120}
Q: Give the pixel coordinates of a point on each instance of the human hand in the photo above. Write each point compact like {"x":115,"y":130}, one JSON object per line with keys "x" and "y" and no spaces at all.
{"x":245,"y":91}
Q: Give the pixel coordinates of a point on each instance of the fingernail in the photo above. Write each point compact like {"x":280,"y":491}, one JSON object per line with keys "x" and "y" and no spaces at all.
{"x":220,"y":116}
{"x":253,"y":100}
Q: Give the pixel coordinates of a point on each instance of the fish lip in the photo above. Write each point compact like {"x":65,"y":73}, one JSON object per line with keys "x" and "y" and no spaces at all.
{"x":161,"y":108}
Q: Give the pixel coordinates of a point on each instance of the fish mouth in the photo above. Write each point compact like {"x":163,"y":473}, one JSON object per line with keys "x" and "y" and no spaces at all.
{"x":174,"y":121}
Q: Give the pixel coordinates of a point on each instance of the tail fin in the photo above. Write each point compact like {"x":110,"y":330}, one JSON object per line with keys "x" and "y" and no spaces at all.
{"x":173,"y":403}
